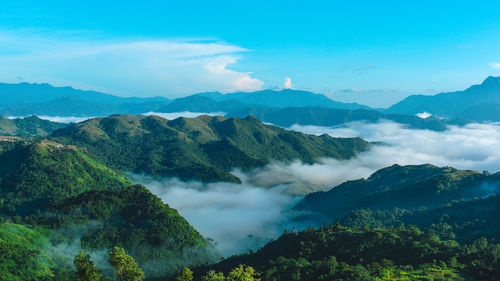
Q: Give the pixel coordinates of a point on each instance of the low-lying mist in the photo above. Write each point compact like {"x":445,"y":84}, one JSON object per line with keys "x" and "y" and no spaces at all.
{"x":238,"y":217}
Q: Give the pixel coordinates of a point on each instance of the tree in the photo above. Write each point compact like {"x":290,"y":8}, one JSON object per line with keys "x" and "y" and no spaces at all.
{"x":185,"y":275}
{"x":85,"y":268}
{"x":213,"y":276}
{"x":241,"y":273}
{"x":125,"y":265}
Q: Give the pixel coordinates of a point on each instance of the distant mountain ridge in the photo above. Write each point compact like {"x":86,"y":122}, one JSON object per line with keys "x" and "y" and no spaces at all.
{"x":322,"y":116}
{"x":28,"y":127}
{"x":11,"y":94}
{"x":479,"y":103}
{"x":282,"y":98}
{"x":43,"y":99}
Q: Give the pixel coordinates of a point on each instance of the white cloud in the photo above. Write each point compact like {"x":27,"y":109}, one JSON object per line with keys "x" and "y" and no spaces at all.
{"x":133,"y":67}
{"x":495,"y":65}
{"x":60,"y":119}
{"x":247,"y":216}
{"x":288,"y":83}
{"x":424,"y":115}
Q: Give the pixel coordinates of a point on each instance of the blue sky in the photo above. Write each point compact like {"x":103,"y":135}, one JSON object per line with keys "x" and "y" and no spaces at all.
{"x":373,"y":52}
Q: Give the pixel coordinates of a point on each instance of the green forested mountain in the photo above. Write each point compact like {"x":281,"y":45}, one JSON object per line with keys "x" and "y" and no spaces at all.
{"x":59,"y":195}
{"x":28,"y":127}
{"x":204,"y":148}
{"x":405,"y":187}
{"x":322,"y":116}
{"x":362,"y":253}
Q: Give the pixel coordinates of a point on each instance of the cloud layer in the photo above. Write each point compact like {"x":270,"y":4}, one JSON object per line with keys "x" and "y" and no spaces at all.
{"x":134,"y":67}
{"x":238,"y":217}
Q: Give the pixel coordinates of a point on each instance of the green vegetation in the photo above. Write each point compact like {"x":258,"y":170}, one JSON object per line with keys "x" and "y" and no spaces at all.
{"x":78,"y":200}
{"x":24,"y":254}
{"x":28,"y":127}
{"x":32,"y":176}
{"x":85,"y":268}
{"x":403,"y":187}
{"x":361,"y":253}
{"x":204,"y":148}
{"x":124,"y":265}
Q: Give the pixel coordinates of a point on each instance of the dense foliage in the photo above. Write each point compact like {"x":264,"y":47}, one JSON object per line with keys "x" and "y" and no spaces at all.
{"x":344,"y":253}
{"x":204,"y":148}
{"x":34,"y":175}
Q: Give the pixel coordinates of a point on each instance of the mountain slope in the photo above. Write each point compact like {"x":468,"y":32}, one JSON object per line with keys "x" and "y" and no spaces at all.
{"x":204,"y":148}
{"x":31,"y":174}
{"x":281,"y":99}
{"x":452,"y":105}
{"x":321,"y":116}
{"x":28,"y":127}
{"x":80,"y":202}
{"x":406,"y":187}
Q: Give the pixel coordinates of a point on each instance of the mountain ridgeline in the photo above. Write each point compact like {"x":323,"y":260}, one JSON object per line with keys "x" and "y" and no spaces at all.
{"x":461,"y":203}
{"x":204,"y":148}
{"x":28,"y":127}
{"x":478,"y":103}
{"x":322,"y":116}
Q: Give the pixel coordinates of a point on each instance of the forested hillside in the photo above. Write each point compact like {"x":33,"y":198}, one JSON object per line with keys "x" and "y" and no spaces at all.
{"x":53,"y":195}
{"x":204,"y":148}
{"x":28,"y":127}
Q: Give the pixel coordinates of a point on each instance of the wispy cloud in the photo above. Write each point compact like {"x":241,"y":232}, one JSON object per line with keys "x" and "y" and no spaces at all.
{"x":495,"y":65}
{"x":141,"y":67}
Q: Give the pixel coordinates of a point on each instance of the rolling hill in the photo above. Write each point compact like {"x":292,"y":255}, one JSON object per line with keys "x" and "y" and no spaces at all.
{"x":404,"y":187}
{"x":28,"y":127}
{"x":204,"y":148}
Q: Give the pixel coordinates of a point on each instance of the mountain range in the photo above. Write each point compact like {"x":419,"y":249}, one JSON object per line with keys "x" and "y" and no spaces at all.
{"x":478,"y":103}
